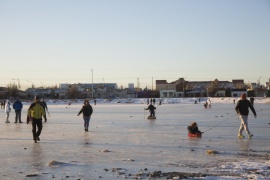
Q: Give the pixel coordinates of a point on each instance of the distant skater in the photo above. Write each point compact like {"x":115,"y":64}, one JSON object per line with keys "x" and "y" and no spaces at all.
{"x":154,"y":101}
{"x":17,"y":106}
{"x":151,"y":109}
{"x":209,"y":104}
{"x":205,"y":105}
{"x":35,"y":113}
{"x":7,"y":110}
{"x":87,"y":111}
{"x":242,"y":109}
{"x":252,"y":100}
{"x":233,"y":101}
{"x":160,"y":102}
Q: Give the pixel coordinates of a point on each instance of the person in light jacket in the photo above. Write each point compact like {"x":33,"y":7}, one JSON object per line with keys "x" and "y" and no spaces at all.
{"x":7,"y":110}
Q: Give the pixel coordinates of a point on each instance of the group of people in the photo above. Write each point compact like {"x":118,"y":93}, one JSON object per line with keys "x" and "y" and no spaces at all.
{"x":17,"y":106}
{"x":35,"y":112}
{"x":242,"y":109}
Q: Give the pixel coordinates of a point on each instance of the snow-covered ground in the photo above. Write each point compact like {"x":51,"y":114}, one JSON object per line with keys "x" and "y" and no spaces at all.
{"x":123,"y":144}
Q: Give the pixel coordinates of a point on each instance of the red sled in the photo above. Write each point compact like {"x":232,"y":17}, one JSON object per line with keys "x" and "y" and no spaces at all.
{"x":195,"y":135}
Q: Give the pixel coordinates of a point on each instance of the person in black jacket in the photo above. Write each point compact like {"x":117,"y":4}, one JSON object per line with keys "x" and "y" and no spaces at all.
{"x":242,"y":109}
{"x":87,"y":111}
{"x":193,"y":128}
{"x":151,"y":109}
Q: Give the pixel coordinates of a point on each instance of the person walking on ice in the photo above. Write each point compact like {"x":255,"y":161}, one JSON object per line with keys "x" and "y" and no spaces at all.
{"x":35,"y":113}
{"x":151,"y":109}
{"x":87,"y":111}
{"x":242,"y":109}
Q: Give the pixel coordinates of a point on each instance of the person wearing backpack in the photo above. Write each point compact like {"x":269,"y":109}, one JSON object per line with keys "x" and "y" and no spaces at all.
{"x":35,"y":113}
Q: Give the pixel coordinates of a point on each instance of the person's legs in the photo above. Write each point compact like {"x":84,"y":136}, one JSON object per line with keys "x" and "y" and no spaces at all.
{"x":34,"y":123}
{"x":86,"y":123}
{"x":243,"y":125}
{"x":7,"y":116}
{"x":16,"y":116}
{"x":20,"y":115}
{"x":39,"y":125}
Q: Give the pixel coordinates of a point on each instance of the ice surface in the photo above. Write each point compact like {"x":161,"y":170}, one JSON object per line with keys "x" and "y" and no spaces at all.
{"x":122,"y":143}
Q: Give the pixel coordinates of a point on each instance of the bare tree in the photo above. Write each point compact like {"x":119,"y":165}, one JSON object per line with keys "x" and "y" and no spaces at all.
{"x":12,"y":90}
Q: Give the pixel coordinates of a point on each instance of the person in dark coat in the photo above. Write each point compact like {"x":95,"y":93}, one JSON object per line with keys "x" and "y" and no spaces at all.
{"x":193,"y":128}
{"x":242,"y":109}
{"x":44,"y":105}
{"x":87,"y":111}
{"x":17,"y":106}
{"x":252,"y":100}
{"x":151,"y":109}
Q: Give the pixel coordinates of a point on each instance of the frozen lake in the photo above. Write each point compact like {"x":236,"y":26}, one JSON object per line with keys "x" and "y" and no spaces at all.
{"x":122,"y":143}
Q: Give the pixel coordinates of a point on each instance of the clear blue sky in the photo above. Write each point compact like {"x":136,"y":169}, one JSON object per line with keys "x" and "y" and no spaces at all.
{"x":60,"y":41}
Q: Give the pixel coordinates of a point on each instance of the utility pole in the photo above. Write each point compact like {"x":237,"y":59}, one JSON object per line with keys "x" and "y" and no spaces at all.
{"x":92,"y":86}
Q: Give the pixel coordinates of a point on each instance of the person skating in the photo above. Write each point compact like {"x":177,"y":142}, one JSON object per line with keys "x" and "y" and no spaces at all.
{"x":151,"y":109}
{"x":44,"y":105}
{"x":242,"y":109}
{"x":252,"y":100}
{"x":87,"y":111}
{"x":17,"y":106}
{"x":7,"y":110}
{"x":35,"y":113}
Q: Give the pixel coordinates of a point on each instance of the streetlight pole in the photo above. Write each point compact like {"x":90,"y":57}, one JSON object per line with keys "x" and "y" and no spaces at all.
{"x":92,"y":85}
{"x":31,"y":82}
{"x":184,"y":86}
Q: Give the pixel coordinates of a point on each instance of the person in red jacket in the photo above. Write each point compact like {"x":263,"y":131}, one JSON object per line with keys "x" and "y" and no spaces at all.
{"x":87,"y":111}
{"x":242,"y":109}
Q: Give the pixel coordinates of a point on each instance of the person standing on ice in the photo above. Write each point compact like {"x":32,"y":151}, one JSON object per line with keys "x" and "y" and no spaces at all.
{"x":242,"y":109}
{"x":35,"y":113}
{"x":151,"y":109}
{"x":44,"y":105}
{"x":87,"y":111}
{"x":17,"y":106}
{"x":7,"y":110}
{"x":252,"y":100}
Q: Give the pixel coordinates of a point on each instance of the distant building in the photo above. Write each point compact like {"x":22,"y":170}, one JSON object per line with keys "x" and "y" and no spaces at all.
{"x":130,"y":86}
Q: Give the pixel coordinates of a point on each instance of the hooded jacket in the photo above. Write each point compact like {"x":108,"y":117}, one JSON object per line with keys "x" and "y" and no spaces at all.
{"x":17,"y":105}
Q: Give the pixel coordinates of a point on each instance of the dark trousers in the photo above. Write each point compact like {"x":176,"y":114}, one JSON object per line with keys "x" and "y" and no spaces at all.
{"x":36,"y":128}
{"x":18,"y":116}
{"x":152,"y":113}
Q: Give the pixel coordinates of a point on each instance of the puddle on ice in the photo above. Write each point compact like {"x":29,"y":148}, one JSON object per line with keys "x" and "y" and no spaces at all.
{"x":122,"y":143}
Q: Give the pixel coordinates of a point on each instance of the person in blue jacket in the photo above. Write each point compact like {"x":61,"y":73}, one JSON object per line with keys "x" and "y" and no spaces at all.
{"x":17,"y":106}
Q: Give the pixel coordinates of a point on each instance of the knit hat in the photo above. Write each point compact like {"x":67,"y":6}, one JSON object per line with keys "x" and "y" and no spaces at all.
{"x":243,"y":96}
